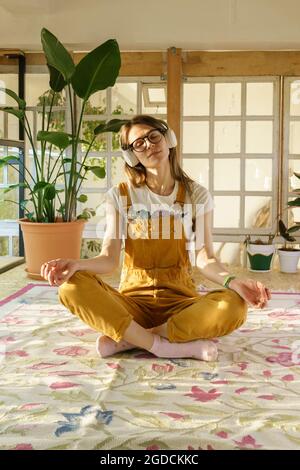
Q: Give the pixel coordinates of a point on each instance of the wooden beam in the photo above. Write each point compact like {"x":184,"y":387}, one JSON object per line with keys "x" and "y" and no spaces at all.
{"x":137,"y":64}
{"x":239,"y":63}
{"x":174,"y":76}
{"x":134,"y":64}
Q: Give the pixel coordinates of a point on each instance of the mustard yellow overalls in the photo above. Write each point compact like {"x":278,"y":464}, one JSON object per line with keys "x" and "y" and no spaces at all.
{"x":156,"y":286}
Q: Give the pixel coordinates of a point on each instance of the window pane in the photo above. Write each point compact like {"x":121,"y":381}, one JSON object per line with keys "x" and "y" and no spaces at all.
{"x":124,"y":98}
{"x":227,"y":211}
{"x":4,"y":244}
{"x":9,"y":210}
{"x":259,"y":100}
{"x":227,"y":137}
{"x":196,"y":99}
{"x":96,"y":202}
{"x":92,"y":180}
{"x":259,"y":137}
{"x":295,"y":98}
{"x":258,"y":210}
{"x":227,"y":99}
{"x":9,"y":126}
{"x":57,"y":122}
{"x":117,"y":170}
{"x":8,"y":80}
{"x":36,"y":84}
{"x":197,"y":169}
{"x":258,"y":175}
{"x":13,"y":175}
{"x":294,"y":182}
{"x":96,"y":103}
{"x":155,"y":109}
{"x":221,"y":180}
{"x":293,"y":216}
{"x":294,"y":141}
{"x":100,"y":143}
{"x":196,"y":137}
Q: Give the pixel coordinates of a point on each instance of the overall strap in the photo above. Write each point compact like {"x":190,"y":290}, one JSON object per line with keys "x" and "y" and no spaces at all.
{"x":180,"y":198}
{"x":124,"y":193}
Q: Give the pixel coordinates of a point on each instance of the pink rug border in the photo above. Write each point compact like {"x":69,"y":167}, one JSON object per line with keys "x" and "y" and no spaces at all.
{"x":20,"y":292}
{"x":32,"y":285}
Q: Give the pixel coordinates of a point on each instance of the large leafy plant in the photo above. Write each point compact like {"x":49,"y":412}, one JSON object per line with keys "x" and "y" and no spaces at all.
{"x":55,"y":158}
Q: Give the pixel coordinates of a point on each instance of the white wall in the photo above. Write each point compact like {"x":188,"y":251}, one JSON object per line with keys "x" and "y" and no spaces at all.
{"x":153,"y":24}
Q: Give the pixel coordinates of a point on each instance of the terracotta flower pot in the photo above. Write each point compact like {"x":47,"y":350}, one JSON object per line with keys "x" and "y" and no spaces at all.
{"x":44,"y":242}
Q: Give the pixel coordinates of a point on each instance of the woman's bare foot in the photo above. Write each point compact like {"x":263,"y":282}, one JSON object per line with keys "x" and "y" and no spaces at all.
{"x":106,"y":346}
{"x":201,"y":349}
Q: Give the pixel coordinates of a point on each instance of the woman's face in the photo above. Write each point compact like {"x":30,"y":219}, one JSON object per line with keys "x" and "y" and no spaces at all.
{"x":154,"y":154}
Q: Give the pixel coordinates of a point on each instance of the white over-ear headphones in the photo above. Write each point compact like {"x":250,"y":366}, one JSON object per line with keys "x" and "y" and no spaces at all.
{"x":131,"y":158}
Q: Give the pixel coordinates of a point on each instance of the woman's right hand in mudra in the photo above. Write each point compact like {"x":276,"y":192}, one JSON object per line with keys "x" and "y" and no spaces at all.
{"x":58,"y":271}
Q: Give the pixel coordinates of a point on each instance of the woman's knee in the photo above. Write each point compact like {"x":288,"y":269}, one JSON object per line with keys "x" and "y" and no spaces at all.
{"x":72,"y":289}
{"x":237,"y":307}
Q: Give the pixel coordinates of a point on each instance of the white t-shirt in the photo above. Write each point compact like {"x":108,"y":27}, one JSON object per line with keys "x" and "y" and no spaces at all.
{"x":146,"y":203}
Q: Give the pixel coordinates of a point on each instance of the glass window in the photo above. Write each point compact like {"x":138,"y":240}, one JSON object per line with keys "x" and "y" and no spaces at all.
{"x":228,"y":99}
{"x":258,"y":212}
{"x":259,"y":137}
{"x":195,"y":137}
{"x":124,"y":98}
{"x":196,"y":99}
{"x":227,"y":211}
{"x":197,"y":169}
{"x":227,"y":137}
{"x":223,"y":180}
{"x":259,"y":99}
{"x":258,"y":174}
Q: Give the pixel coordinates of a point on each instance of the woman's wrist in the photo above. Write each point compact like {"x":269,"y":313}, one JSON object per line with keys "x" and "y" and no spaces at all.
{"x":228,"y":281}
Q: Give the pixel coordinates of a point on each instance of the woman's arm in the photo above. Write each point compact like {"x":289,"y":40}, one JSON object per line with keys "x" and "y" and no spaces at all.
{"x":109,"y":257}
{"x":252,"y":291}
{"x":58,"y":271}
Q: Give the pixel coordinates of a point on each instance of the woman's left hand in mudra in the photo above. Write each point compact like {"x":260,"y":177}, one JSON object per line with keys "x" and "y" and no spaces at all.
{"x":253,"y":292}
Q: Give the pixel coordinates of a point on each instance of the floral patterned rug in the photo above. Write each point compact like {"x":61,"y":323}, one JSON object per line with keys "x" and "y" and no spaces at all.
{"x":56,"y":393}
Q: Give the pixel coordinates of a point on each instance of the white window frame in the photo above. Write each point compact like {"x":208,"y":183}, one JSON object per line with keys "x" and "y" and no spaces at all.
{"x":238,"y":234}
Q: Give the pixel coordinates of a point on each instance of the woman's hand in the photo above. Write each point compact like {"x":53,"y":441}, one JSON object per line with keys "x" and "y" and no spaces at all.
{"x":58,"y":271}
{"x":254,"y":292}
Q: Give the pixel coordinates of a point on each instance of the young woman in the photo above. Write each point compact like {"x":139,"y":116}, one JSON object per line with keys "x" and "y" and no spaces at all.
{"x":162,"y":214}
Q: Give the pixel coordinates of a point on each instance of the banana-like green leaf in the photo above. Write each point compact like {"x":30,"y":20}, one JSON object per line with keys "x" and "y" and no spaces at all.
{"x":57,"y":55}
{"x":98,"y":70}
{"x":19,"y":113}
{"x":13,"y":186}
{"x":98,"y":171}
{"x":295,"y":202}
{"x":57,"y":81}
{"x":8,"y":159}
{"x":294,"y":228}
{"x":59,"y":139}
{"x":114,"y":125}
{"x":297,"y":174}
{"x":12,"y":94}
{"x":284,"y":232}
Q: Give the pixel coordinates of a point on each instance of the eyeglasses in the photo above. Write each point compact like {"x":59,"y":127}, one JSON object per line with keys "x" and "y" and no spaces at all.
{"x":139,"y":145}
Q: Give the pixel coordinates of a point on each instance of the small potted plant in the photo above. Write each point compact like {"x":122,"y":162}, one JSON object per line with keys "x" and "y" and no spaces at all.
{"x":260,"y":253}
{"x":288,"y":254}
{"x":52,"y":228}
